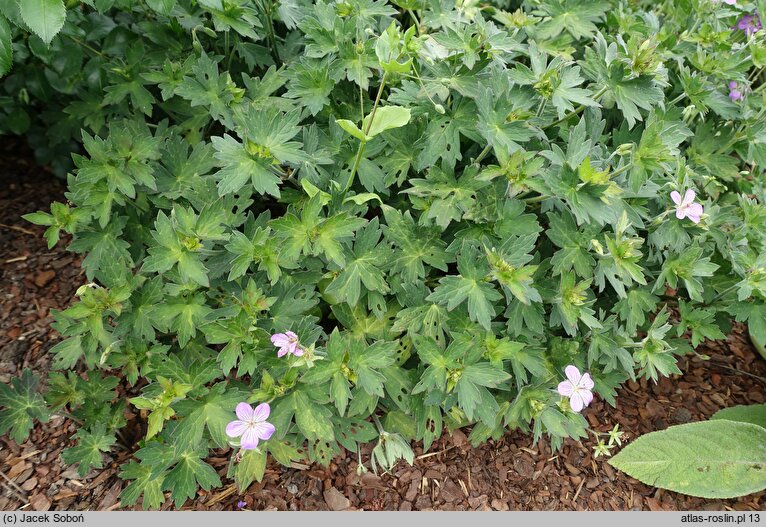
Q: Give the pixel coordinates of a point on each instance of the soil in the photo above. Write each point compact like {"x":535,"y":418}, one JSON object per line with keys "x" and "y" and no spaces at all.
{"x":509,"y":474}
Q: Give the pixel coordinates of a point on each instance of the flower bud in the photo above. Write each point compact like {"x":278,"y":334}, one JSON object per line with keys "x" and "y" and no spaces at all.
{"x":624,"y":149}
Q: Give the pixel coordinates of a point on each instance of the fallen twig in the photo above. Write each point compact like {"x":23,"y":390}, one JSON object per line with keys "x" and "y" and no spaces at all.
{"x":14,"y":488}
{"x":17,"y":228}
{"x":431,"y":454}
{"x":579,"y":488}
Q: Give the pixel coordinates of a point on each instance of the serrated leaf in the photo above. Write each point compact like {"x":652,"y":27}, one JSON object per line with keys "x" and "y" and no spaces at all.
{"x":147,"y":482}
{"x":89,"y":448}
{"x":6,"y":53}
{"x":164,"y":7}
{"x":21,"y":404}
{"x":250,"y":468}
{"x":189,"y":474}
{"x":711,"y":459}
{"x":313,"y":419}
{"x":44,"y":17}
{"x":212,"y":411}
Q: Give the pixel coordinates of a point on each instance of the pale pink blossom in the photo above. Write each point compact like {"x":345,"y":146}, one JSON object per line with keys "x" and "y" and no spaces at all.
{"x":287,"y":342}
{"x":251,"y":425}
{"x":577,"y":387}
{"x":686,"y":207}
{"x":735,"y":94}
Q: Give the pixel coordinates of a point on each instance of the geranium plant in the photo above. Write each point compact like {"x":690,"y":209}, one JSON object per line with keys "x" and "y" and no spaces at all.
{"x":377,"y":219}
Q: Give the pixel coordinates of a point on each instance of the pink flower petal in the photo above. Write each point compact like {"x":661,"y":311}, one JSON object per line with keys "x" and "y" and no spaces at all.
{"x":262,"y":412}
{"x":681,"y":213}
{"x":291,"y":335}
{"x":695,"y":209}
{"x":586,"y":382}
{"x":587,"y":397}
{"x":565,"y":388}
{"x":281,"y":352}
{"x":298,"y":351}
{"x":249,"y":439}
{"x":676,"y":197}
{"x":576,"y":402}
{"x":573,"y":374}
{"x":695,"y":219}
{"x":236,"y":428}
{"x":689,"y":197}
{"x":244,"y":411}
{"x":264,"y":430}
{"x":280,"y":339}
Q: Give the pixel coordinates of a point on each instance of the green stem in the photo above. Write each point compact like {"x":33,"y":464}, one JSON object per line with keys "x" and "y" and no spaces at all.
{"x":414,"y":18}
{"x":535,"y":199}
{"x":266,"y":6}
{"x":734,"y":140}
{"x":89,"y":48}
{"x":366,"y":130}
{"x":621,"y":170}
{"x":377,"y":424}
{"x":680,"y":97}
{"x":482,"y":154}
{"x":576,"y":111}
{"x":722,"y":294}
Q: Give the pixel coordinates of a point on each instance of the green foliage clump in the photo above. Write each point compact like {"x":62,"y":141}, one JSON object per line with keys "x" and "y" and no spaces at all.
{"x":447,"y":202}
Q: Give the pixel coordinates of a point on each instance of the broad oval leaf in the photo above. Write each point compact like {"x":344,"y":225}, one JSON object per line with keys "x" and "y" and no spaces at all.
{"x":710,"y":459}
{"x":44,"y":17}
{"x":385,"y":118}
{"x":753,"y":413}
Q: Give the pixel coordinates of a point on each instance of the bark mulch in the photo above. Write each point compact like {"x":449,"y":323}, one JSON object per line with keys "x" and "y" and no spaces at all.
{"x":509,"y":474}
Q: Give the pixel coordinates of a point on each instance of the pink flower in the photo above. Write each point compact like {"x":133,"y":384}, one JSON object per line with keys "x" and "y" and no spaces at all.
{"x":686,"y":208}
{"x":577,"y":387}
{"x":288,"y":343}
{"x":734,"y":93}
{"x":251,"y":425}
{"x":749,"y":24}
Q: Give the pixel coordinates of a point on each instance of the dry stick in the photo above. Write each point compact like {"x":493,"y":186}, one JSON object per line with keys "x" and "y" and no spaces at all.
{"x":431,"y":454}
{"x":722,"y":365}
{"x":15,"y":488}
{"x":228,"y":491}
{"x":17,"y":228}
{"x":578,"y":490}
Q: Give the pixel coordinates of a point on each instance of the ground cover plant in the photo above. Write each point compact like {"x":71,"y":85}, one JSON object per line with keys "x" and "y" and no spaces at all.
{"x":310,"y":225}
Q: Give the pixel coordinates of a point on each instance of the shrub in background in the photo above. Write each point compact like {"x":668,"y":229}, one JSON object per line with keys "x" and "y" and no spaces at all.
{"x":418,"y":213}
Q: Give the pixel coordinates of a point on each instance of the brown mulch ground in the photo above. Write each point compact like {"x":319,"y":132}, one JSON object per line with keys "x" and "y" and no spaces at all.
{"x":510,"y":474}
